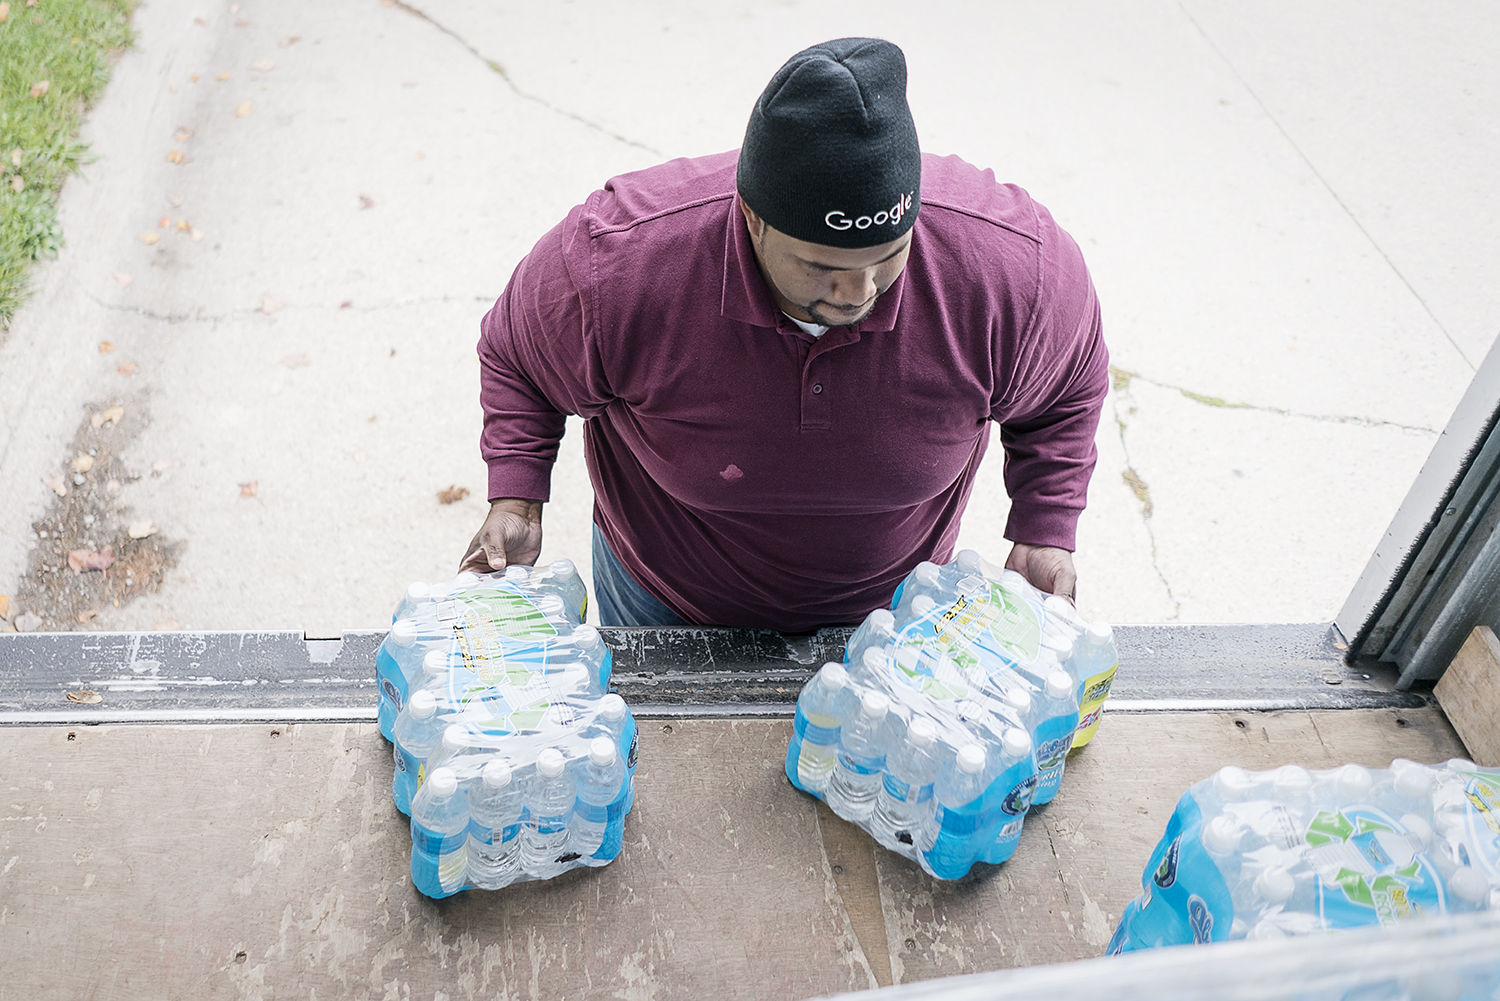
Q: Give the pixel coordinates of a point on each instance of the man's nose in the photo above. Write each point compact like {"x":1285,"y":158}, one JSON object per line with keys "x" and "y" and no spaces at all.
{"x":853,"y":288}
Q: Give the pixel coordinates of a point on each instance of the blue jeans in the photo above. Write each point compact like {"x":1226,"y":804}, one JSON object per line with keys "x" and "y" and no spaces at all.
{"x":621,"y":601}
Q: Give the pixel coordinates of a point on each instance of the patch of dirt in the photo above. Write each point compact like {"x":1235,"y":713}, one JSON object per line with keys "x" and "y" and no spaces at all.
{"x":54,"y":597}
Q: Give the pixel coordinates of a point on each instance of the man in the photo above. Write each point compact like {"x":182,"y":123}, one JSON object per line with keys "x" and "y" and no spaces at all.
{"x":788,"y":359}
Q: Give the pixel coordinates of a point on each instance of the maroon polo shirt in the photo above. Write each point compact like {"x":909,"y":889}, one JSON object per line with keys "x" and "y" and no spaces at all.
{"x":748,"y":474}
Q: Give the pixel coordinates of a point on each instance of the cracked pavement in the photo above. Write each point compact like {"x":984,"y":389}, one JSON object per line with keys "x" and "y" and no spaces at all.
{"x":1288,"y":213}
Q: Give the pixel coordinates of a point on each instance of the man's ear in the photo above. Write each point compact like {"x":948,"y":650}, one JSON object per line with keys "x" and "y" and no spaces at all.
{"x":753,"y":222}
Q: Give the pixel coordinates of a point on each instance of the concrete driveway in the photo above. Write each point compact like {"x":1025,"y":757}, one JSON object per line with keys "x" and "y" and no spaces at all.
{"x":1288,"y":209}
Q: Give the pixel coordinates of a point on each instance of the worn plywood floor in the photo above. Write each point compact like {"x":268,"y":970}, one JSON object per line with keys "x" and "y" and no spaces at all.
{"x":267,"y":862}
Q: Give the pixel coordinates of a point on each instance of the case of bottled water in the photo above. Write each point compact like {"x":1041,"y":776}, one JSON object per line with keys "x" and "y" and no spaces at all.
{"x":952,"y":714}
{"x":511,"y":758}
{"x":1266,"y":855}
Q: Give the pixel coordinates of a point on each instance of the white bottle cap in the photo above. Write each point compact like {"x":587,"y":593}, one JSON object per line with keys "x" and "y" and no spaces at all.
{"x":417,"y":590}
{"x":404,"y":632}
{"x":1232,"y":783}
{"x":1353,"y":781}
{"x":968,"y":710}
{"x":435,"y":662}
{"x":922,"y":605}
{"x":1292,"y":782}
{"x":1222,"y":835}
{"x":1468,"y":883}
{"x":1417,"y":829}
{"x":563,"y":569}
{"x":926,"y":574}
{"x":517,"y":572}
{"x":443,"y":782}
{"x":1099,"y":633}
{"x":551,"y":605}
{"x":550,"y":763}
{"x":971,"y":758}
{"x":1061,"y":607}
{"x":456,"y":736}
{"x":1018,"y":699}
{"x":612,"y":707}
{"x":921,"y":731}
{"x":874,"y":704}
{"x":496,"y":775}
{"x":1017,"y":742}
{"x":1413,"y":782}
{"x":970,"y":561}
{"x":1275,"y":885}
{"x":834,"y":676}
{"x":1059,"y":644}
{"x":602,"y":752}
{"x":882,"y":620}
{"x":422,"y":705}
{"x":586,"y":636}
{"x":874,"y":658}
{"x":1059,"y":685}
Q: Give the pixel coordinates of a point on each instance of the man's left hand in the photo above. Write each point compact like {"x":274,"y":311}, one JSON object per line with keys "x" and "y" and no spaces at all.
{"x":1047,"y":568}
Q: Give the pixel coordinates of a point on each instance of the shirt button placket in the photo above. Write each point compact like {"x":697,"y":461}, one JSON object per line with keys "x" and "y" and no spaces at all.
{"x":816,"y":412}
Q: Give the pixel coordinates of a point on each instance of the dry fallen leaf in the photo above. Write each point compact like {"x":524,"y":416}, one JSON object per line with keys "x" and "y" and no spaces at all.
{"x":4,"y":12}
{"x":105,"y":347}
{"x":200,"y":21}
{"x":195,"y":234}
{"x":222,"y":76}
{"x":452,"y":495}
{"x":289,"y":40}
{"x":84,"y":560}
{"x":141,"y":529}
{"x":269,"y":305}
{"x":366,"y":202}
{"x":149,"y":238}
{"x":250,"y":489}
{"x":295,"y":361}
{"x":110,"y":416}
{"x":126,"y":368}
{"x":82,"y":464}
{"x":192,"y":78}
{"x":177,"y":156}
{"x":55,"y":484}
{"x":164,"y":222}
{"x":346,"y":304}
{"x":263,"y":65}
{"x":4,"y":606}
{"x":183,"y":134}
{"x":89,"y":616}
{"x":40,"y":88}
{"x":183,"y":226}
{"x":84,"y":697}
{"x":18,"y":184}
{"x":244,"y":109}
{"x":123,"y":280}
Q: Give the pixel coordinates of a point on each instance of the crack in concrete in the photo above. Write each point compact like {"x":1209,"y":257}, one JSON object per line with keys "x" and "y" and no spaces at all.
{"x":524,"y":95}
{"x":174,"y":318}
{"x":1327,"y":186}
{"x":1138,"y":486}
{"x":1123,"y":377}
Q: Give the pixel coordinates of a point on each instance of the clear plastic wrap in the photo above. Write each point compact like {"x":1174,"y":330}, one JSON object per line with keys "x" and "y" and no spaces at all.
{"x":1290,"y":852}
{"x":511,"y":759}
{"x":952,"y":715}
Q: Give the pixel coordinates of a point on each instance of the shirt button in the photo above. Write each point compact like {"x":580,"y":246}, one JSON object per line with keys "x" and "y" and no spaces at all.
{"x":817,"y":388}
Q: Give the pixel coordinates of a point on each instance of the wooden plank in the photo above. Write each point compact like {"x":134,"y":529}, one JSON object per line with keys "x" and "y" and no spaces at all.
{"x":1469,"y":692}
{"x":264,"y":861}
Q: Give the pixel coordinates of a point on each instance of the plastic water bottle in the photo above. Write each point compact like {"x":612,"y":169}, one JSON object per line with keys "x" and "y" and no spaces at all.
{"x":590,"y":648}
{"x":549,"y":811}
{"x":903,"y":803}
{"x":418,"y":730}
{"x":878,"y":631}
{"x":1057,"y":713}
{"x":439,"y":835}
{"x":1017,"y":772}
{"x":627,"y":738}
{"x":1098,"y":661}
{"x":496,"y":804}
{"x":861,"y":759}
{"x":814,"y":747}
{"x":561,"y":578}
{"x":950,"y":849}
{"x":599,"y":813}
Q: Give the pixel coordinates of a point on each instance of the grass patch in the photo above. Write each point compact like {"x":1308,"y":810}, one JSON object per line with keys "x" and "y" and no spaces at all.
{"x":55,"y":58}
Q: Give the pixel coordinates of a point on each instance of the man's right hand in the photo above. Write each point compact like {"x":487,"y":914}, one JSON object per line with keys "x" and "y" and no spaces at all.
{"x":511,"y":533}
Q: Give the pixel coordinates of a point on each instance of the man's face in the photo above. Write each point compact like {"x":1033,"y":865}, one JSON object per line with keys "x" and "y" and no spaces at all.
{"x":832,"y":286}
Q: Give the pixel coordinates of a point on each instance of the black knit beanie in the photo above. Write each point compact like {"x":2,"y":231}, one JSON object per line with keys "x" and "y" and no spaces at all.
{"x":831,"y":153}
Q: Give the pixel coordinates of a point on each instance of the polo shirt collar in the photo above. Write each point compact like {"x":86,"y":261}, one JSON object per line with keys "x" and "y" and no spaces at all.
{"x":747,"y":299}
